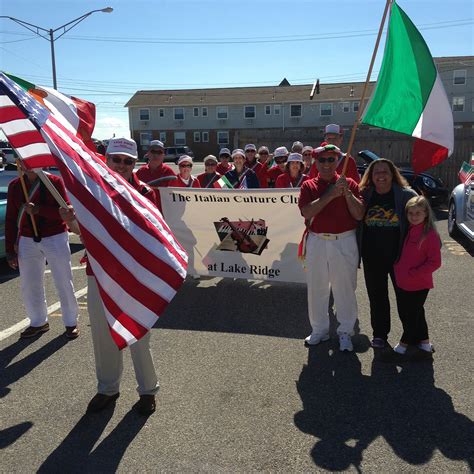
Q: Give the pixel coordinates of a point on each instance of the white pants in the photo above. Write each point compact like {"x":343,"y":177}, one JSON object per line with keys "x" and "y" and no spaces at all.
{"x":108,"y":357}
{"x":332,"y":264}
{"x":32,"y":258}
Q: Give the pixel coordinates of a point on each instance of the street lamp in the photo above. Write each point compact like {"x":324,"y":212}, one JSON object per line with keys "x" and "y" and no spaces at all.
{"x":49,"y":34}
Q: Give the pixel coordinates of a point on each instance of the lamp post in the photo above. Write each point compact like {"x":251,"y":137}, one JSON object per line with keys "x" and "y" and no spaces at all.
{"x":49,"y":34}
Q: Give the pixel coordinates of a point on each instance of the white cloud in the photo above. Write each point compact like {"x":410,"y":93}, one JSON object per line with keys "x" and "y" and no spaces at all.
{"x":109,"y":126}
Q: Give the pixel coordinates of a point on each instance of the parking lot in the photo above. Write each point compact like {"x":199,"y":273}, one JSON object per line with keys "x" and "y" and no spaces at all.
{"x":239,"y":391}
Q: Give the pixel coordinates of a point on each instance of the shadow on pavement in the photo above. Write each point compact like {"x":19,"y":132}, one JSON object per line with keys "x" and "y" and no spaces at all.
{"x":11,"y":373}
{"x":347,"y":411}
{"x":9,"y":435}
{"x":275,"y":309}
{"x":75,"y":453}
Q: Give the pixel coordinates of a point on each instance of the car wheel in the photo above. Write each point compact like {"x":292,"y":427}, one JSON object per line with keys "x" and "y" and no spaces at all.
{"x":453,"y":230}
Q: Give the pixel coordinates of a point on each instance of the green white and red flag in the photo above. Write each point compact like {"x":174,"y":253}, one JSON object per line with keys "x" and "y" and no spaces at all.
{"x":466,"y":173}
{"x":409,"y":96}
{"x":223,"y":183}
{"x":76,"y":114}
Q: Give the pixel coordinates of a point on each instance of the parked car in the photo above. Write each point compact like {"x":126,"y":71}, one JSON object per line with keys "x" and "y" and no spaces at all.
{"x":3,"y":209}
{"x":9,"y":155}
{"x":423,"y":183}
{"x":172,"y":153}
{"x":461,"y":211}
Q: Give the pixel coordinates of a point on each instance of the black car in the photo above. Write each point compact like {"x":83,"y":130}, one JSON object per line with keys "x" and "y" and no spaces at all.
{"x":423,"y":183}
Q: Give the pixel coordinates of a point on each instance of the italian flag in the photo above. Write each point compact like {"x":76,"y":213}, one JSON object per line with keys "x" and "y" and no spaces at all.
{"x":76,"y":114}
{"x":466,"y":173}
{"x":223,"y":182}
{"x":409,"y":96}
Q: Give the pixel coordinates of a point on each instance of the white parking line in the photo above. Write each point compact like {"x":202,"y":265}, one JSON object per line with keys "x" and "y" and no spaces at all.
{"x":24,"y":323}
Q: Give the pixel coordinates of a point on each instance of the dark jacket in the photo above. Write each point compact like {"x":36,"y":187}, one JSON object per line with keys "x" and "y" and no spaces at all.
{"x":401,"y":197}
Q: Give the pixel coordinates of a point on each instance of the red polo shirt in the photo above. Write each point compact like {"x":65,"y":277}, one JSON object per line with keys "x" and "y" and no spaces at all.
{"x":272,"y":175}
{"x":48,"y":221}
{"x":286,"y":181}
{"x":222,"y":169}
{"x":179,"y":183}
{"x":146,"y":175}
{"x":335,"y":217}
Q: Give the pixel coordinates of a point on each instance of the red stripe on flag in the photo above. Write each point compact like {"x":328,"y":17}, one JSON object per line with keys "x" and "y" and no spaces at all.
{"x":124,"y":278}
{"x":25,"y":138}
{"x":426,"y":155}
{"x":11,"y":112}
{"x":120,"y":342}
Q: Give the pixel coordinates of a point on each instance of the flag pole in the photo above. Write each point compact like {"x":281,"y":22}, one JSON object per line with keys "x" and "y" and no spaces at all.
{"x":37,"y":238}
{"x":49,"y":185}
{"x":364,"y":90}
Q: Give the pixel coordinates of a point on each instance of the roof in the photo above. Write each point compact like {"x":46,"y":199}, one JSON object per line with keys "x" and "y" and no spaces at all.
{"x":246,"y":95}
{"x":282,"y":93}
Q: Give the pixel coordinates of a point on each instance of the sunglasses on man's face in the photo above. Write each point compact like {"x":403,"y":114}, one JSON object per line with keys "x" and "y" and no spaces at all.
{"x":210,"y":163}
{"x":329,"y":159}
{"x":280,"y":160}
{"x":156,"y":152}
{"x":186,"y":166}
{"x":126,"y":161}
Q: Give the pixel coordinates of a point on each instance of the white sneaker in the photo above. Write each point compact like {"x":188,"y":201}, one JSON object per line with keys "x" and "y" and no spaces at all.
{"x":315,"y":338}
{"x":345,"y":342}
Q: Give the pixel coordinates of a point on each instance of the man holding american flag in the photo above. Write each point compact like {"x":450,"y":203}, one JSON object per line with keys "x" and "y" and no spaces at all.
{"x":137,"y":263}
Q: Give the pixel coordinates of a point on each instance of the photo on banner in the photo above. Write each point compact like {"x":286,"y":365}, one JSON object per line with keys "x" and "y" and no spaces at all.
{"x":248,"y":234}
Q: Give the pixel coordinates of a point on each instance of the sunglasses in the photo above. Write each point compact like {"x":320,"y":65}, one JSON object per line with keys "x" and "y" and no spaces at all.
{"x":210,"y":163}
{"x":250,"y":151}
{"x":125,"y":161}
{"x":306,"y":154}
{"x":263,"y":153}
{"x":224,"y":156}
{"x":330,"y":159}
{"x":280,"y":160}
{"x":157,"y":152}
{"x":186,"y":166}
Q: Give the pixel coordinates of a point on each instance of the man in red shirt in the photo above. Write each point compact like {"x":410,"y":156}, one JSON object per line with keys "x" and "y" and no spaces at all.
{"x":331,"y":204}
{"x":224,"y":165}
{"x":155,"y":172}
{"x":333,"y":135}
{"x":29,"y":253}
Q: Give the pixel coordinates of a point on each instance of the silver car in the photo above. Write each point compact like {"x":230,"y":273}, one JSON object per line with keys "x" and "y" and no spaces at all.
{"x":461,"y":211}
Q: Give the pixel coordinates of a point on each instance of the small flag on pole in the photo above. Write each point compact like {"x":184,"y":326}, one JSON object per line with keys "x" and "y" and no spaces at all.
{"x":223,"y":183}
{"x":466,"y":173}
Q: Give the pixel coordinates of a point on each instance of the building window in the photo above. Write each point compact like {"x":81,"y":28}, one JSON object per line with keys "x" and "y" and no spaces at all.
{"x":249,"y":111}
{"x":204,"y":111}
{"x":145,"y":138}
{"x":197,"y":137}
{"x":163,"y":137}
{"x":277,"y":109}
{"x":222,"y":138}
{"x":205,"y":137}
{"x":355,"y":106}
{"x":325,"y":110}
{"x":458,"y":104}
{"x":180,"y":138}
{"x":161,"y":112}
{"x":179,"y":113}
{"x":144,"y":114}
{"x":195,"y":111}
{"x":295,"y":110}
{"x":268,"y":110}
{"x":459,"y":77}
{"x":346,"y":107}
{"x":222,"y":112}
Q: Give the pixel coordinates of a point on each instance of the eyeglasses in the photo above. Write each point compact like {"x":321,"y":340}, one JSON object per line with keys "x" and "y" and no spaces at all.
{"x":280,"y":160}
{"x":263,"y":153}
{"x":125,"y":161}
{"x":157,"y":152}
{"x":330,"y":159}
{"x":224,"y":156}
{"x":250,"y":151}
{"x":306,"y":154}
{"x":186,"y":166}
{"x":210,"y":163}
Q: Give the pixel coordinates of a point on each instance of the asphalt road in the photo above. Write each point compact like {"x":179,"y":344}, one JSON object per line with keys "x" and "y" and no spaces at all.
{"x":240,"y":392}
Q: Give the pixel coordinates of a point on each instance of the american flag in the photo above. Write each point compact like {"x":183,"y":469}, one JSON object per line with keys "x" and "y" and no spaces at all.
{"x":137,"y":262}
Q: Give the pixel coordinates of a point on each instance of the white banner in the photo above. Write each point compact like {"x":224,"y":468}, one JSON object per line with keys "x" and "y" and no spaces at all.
{"x":249,"y":234}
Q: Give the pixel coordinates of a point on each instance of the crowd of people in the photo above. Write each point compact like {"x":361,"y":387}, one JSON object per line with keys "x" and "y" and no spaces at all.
{"x":377,"y":219}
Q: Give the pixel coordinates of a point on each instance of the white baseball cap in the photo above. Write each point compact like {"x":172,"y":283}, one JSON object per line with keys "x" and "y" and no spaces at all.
{"x":224,"y":151}
{"x":156,"y":144}
{"x":185,"y":159}
{"x":250,"y":146}
{"x":280,"y":151}
{"x":122,"y":146}
{"x":210,"y":158}
{"x":333,"y":128}
{"x":238,"y":151}
{"x":295,"y":157}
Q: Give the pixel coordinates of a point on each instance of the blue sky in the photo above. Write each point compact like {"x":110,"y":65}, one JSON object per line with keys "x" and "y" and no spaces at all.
{"x":214,"y":43}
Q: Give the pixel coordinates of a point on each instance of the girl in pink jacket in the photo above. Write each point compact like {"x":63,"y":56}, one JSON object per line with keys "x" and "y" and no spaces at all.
{"x":419,"y":259}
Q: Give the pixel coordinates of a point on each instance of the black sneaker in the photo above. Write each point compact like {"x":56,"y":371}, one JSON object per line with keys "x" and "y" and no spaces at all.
{"x":100,"y":401}
{"x":33,"y":331}
{"x":146,"y":405}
